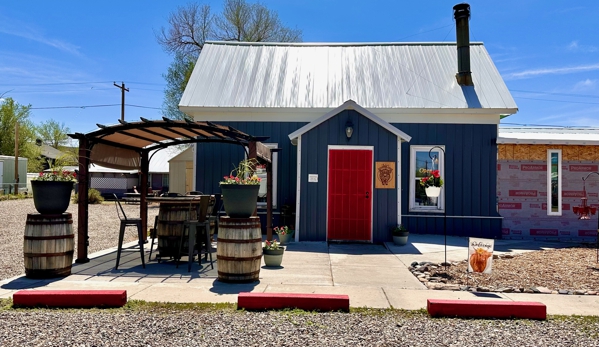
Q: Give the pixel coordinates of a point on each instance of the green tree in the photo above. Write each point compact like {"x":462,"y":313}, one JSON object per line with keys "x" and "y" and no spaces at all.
{"x":176,"y":78}
{"x":53,"y":134}
{"x":11,"y":113}
{"x":192,"y":25}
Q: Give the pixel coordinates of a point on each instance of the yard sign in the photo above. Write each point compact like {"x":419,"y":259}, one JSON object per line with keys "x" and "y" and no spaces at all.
{"x":480,"y":255}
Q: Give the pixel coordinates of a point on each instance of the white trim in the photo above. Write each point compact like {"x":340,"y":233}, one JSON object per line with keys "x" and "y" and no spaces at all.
{"x":327,"y":44}
{"x":344,"y":147}
{"x":390,"y":115}
{"x":350,"y":105}
{"x":195,"y":156}
{"x":412,"y":193}
{"x":559,"y":182}
{"x":512,"y":141}
{"x":298,"y":188}
{"x":398,"y":180}
{"x":442,"y":216}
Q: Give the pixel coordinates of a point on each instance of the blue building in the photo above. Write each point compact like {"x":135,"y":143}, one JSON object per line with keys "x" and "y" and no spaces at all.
{"x":358,"y":124}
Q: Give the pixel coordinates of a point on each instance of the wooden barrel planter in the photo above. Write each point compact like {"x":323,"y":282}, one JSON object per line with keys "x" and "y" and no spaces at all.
{"x":48,"y":245}
{"x":171,"y":217}
{"x":239,"y":250}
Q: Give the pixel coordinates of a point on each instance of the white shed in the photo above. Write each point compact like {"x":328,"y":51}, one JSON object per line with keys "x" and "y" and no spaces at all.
{"x":181,"y":171}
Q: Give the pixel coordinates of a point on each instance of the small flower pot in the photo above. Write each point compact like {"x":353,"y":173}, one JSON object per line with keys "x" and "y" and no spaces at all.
{"x":273,"y":257}
{"x":286,"y":238}
{"x":401,"y":239}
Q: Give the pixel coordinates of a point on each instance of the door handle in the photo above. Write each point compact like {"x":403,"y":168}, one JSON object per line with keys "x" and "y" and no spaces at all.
{"x":367,"y":195}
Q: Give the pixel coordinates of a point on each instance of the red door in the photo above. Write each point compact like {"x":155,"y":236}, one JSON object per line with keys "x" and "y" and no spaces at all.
{"x":350,"y":195}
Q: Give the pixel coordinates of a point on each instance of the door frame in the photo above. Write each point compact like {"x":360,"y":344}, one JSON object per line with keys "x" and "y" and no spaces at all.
{"x":346,"y":147}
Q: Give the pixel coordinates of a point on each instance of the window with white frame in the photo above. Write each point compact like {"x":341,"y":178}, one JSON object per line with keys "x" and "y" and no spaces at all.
{"x":261,"y":172}
{"x":554,"y":182}
{"x":424,"y":159}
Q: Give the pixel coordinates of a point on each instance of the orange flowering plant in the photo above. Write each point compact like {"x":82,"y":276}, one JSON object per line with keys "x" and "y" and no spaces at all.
{"x":432,"y":179}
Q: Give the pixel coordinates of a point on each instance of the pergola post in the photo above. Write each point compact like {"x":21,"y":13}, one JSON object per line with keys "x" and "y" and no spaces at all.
{"x":83,"y":201}
{"x":143,"y":206}
{"x":253,"y":154}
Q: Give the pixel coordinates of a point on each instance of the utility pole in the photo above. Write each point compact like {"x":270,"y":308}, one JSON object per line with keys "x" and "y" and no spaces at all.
{"x":123,"y":90}
{"x":17,"y":158}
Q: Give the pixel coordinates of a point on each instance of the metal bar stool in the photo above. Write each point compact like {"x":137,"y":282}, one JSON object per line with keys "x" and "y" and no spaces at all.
{"x":193,"y":228}
{"x":125,"y":222}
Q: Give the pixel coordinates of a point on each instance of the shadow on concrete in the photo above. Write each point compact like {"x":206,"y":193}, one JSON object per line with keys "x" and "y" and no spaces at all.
{"x":486,"y":295}
{"x":219,"y":287}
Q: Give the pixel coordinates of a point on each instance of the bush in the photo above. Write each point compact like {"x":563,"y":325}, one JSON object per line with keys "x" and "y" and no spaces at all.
{"x":94,"y":197}
{"x":13,"y":196}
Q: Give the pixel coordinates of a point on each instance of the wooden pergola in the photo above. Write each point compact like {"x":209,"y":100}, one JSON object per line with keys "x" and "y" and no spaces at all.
{"x":127,"y":146}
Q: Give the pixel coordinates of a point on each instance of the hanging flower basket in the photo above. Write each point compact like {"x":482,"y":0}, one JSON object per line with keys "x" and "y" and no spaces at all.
{"x":433,"y":192}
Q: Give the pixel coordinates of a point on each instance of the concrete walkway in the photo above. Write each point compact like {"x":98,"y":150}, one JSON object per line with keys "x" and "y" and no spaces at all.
{"x":374,"y":276}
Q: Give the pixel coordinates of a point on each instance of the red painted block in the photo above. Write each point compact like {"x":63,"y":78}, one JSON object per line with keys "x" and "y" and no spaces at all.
{"x":310,"y":302}
{"x":70,"y":298}
{"x":486,"y":309}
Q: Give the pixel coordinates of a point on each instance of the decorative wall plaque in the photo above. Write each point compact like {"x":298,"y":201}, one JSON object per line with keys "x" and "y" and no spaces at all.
{"x":385,"y":175}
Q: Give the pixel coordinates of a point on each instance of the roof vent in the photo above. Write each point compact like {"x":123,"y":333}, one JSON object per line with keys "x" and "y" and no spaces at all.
{"x":461,"y":13}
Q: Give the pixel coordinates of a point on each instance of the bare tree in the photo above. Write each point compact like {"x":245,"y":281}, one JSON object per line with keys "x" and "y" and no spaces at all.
{"x":189,"y":27}
{"x":192,"y":25}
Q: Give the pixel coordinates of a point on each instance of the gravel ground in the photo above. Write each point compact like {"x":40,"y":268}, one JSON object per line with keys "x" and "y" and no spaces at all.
{"x":566,"y":271}
{"x":225,"y":327}
{"x":103,"y":230}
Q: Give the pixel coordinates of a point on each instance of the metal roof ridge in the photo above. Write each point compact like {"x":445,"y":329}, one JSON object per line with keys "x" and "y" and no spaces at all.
{"x":336,"y":44}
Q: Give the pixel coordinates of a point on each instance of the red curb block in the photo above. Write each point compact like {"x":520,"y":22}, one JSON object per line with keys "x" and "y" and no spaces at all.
{"x":70,"y":298}
{"x":310,"y":302}
{"x":486,"y":309}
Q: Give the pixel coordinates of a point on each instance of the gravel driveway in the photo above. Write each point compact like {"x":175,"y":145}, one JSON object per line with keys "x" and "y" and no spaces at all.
{"x":182,"y":327}
{"x":103,"y":231}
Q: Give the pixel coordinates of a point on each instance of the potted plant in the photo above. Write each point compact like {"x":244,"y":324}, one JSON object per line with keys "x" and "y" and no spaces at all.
{"x":52,"y":190}
{"x":285,"y":235}
{"x":400,"y":235}
{"x":432,"y":183}
{"x":240,"y":190}
{"x":273,"y":253}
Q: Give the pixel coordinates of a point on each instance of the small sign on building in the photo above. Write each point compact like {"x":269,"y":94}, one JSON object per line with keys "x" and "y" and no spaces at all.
{"x":480,"y":255}
{"x":385,"y":175}
{"x":313,"y":178}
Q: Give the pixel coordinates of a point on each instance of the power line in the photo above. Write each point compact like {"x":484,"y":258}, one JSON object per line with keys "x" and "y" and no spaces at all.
{"x":560,"y":94}
{"x":83,"y":106}
{"x":153,"y":108}
{"x":50,"y":84}
{"x":570,"y":102}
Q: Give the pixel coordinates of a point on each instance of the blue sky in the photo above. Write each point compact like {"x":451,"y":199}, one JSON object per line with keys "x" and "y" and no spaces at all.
{"x":55,"y":54}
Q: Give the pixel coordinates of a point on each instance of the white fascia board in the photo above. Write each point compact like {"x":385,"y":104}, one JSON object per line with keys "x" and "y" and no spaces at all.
{"x":434,"y":116}
{"x":512,"y":141}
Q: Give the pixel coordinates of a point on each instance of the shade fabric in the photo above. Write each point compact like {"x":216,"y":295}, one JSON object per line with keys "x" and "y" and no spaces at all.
{"x":115,"y":157}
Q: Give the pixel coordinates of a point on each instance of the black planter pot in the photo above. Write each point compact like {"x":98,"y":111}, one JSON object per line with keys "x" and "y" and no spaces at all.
{"x":51,"y":197}
{"x":240,"y":200}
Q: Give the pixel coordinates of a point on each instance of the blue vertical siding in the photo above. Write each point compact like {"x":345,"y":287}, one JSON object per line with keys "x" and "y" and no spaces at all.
{"x":314,"y":158}
{"x":470,"y":179}
{"x":215,"y":160}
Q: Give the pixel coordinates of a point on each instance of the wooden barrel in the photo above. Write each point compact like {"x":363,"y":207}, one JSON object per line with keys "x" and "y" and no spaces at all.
{"x":48,"y":245}
{"x":239,"y":250}
{"x":171,"y":217}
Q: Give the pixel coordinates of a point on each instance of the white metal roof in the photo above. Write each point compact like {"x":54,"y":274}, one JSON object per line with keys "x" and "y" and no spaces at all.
{"x":159,"y":159}
{"x":351,"y":105}
{"x":375,"y":75}
{"x":548,"y":135}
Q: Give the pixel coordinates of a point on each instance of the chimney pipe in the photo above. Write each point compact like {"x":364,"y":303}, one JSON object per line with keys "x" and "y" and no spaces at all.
{"x":461,"y":13}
